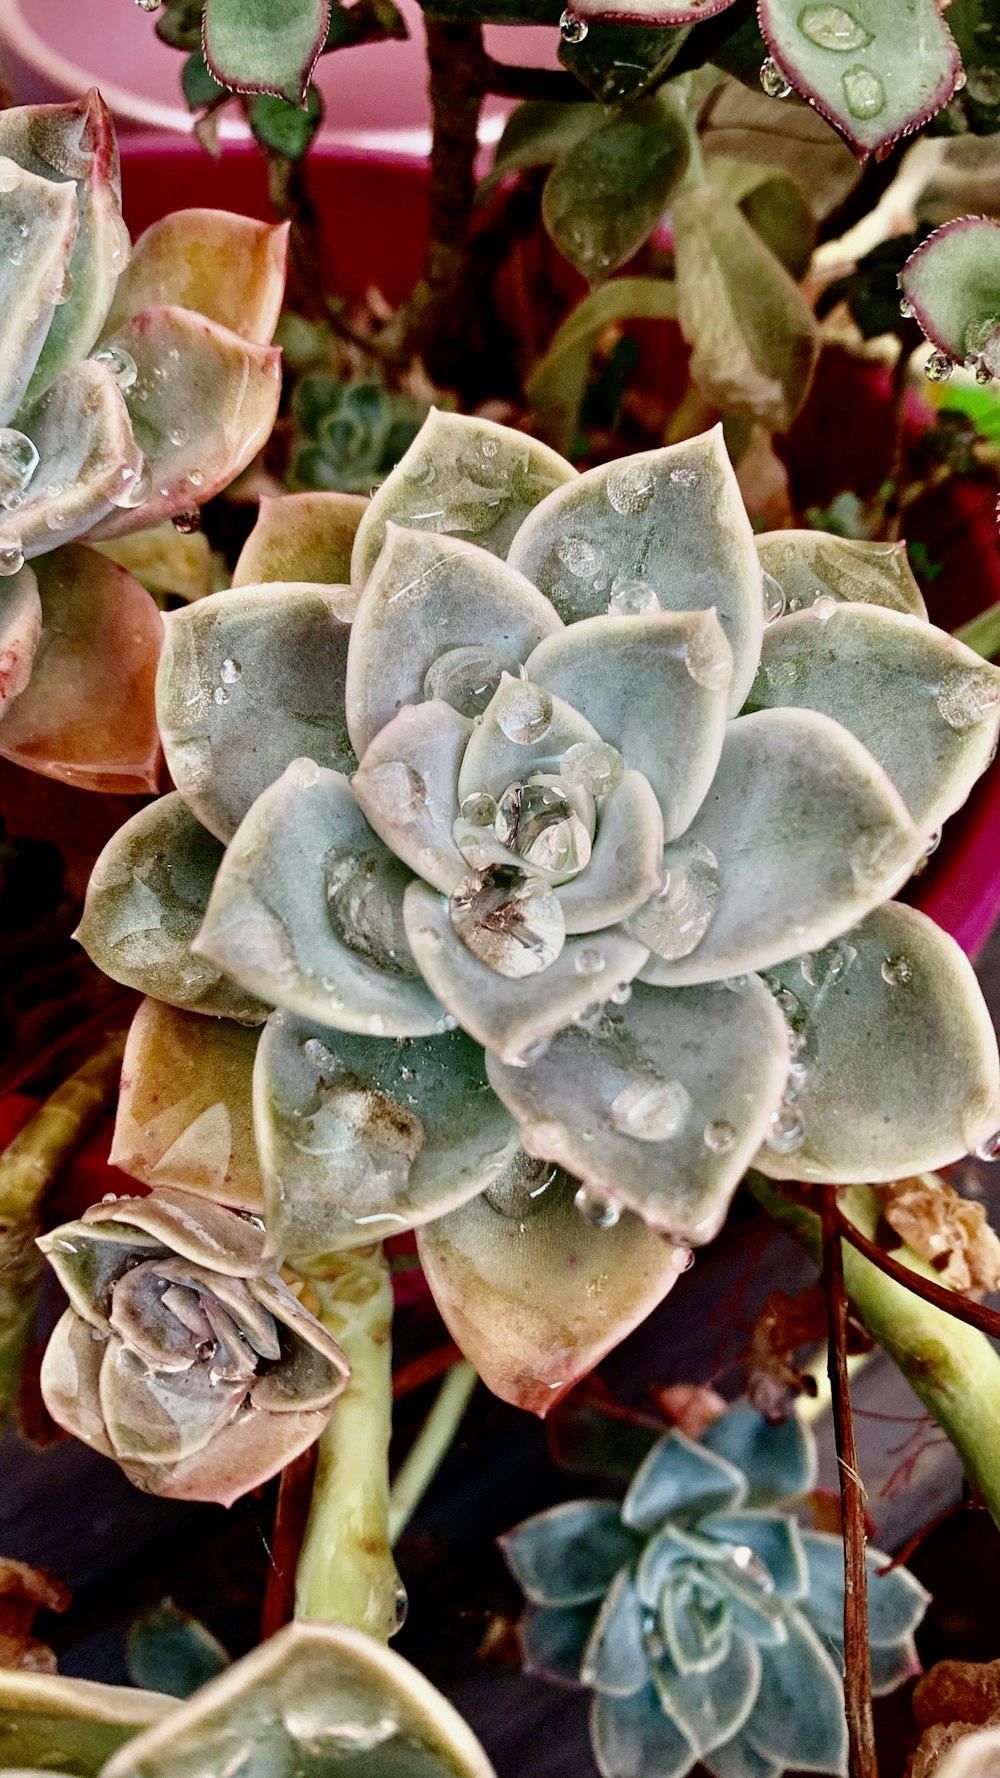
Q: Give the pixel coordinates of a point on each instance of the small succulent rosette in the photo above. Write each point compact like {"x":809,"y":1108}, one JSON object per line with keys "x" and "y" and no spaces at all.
{"x":183,"y":1355}
{"x":704,"y":1617}
{"x":554,"y":853}
{"x":132,"y":389}
{"x":350,"y":434}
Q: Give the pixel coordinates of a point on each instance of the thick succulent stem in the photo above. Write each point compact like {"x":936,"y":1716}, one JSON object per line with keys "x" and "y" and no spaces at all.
{"x":346,"y":1574}
{"x":429,"y":1447}
{"x":951,"y":1367}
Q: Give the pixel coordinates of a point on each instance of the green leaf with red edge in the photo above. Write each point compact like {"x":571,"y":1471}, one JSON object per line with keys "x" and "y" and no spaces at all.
{"x":265,"y":46}
{"x":952,"y":286}
{"x":650,"y":12}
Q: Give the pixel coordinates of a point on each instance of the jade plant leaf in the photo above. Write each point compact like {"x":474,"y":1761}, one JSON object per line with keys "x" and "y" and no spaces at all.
{"x":258,"y":46}
{"x":534,"y":1293}
{"x":301,"y":537}
{"x":185,"y":1107}
{"x":407,"y":1131}
{"x":228,"y":268}
{"x":20,"y":628}
{"x":951,"y":284}
{"x":145,"y":902}
{"x":810,"y":565}
{"x":606,"y":194}
{"x":892,"y":1023}
{"x":556,"y":385}
{"x":45,"y":1718}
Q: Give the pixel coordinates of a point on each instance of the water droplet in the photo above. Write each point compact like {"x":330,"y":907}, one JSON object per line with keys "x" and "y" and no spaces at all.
{"x":519,"y":1189}
{"x":968,"y":695}
{"x":221,"y":695}
{"x":631,"y":486}
{"x":938,"y":367}
{"x":708,"y":657}
{"x":906,"y":308}
{"x":540,"y":824}
{"x":186,"y":522}
{"x":595,"y":1208}
{"x":674,"y":922}
{"x":362,"y":911}
{"x":632,"y":598}
{"x":135,"y":487}
{"x":684,"y":476}
{"x":479,"y":809}
{"x":572,"y":30}
{"x":589,"y":961}
{"x":863,"y":91}
{"x":589,"y":1018}
{"x":989,"y":1148}
{"x":934,"y":839}
{"x":581,"y":557}
{"x":774,"y":598}
{"x":745,"y":1560}
{"x":833,"y":27}
{"x":524,"y":713}
{"x":11,"y":558}
{"x":621,"y":995}
{"x":787,"y":1131}
{"x":120,"y":363}
{"x":229,"y":672}
{"x":18,"y":462}
{"x":824,"y":607}
{"x":652,"y":1111}
{"x":773,"y":81}
{"x":897,"y":971}
{"x":422,"y":471}
{"x":593,"y":766}
{"x":148,"y":5}
{"x":490,"y":447}
{"x":509,"y":920}
{"x":984,"y":374}
{"x":788,"y":1002}
{"x":467,"y":678}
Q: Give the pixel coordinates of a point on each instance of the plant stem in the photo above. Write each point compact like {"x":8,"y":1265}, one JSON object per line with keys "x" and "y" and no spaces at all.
{"x":429,"y":1447}
{"x":857,"y":1655}
{"x":290,"y":1516}
{"x":963,"y":1308}
{"x":951,"y":1367}
{"x":982,"y":633}
{"x":346,"y":1574}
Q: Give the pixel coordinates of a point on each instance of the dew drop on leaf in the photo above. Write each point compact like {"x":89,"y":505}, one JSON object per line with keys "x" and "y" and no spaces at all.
{"x":630,"y":488}
{"x":120,"y":363}
{"x":833,"y":27}
{"x":773,"y":81}
{"x":989,"y":1148}
{"x":774,"y":598}
{"x":966,"y":697}
{"x":938,"y":367}
{"x":863,"y":91}
{"x":896,"y":971}
{"x":632,"y":598}
{"x":787,"y":1132}
{"x":572,"y":30}
{"x":651,"y":1111}
{"x":595,"y":1208}
{"x":511,"y":921}
{"x":524,"y":713}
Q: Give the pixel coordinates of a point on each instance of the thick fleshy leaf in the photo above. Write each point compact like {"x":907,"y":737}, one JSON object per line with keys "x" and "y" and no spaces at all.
{"x":407,"y":785}
{"x":88,"y":714}
{"x":661,"y":1105}
{"x":896,"y":1599}
{"x":737,"y":1759}
{"x":20,"y":628}
{"x":185,"y":1114}
{"x":306,"y":911}
{"x":892,"y":1666}
{"x":926,"y":707}
{"x":654,"y":687}
{"x":753,"y":337}
{"x":773,"y":1537}
{"x":464,"y":477}
{"x":626,"y":864}
{"x":72,"y":1725}
{"x":779,"y":1462}
{"x":173,"y":1651}
{"x":746,"y":126}
{"x":553,"y":1640}
{"x":38,"y":224}
{"x":311,"y":1683}
{"x":673,"y":519}
{"x":511,"y":1016}
{"x":144,"y":1421}
{"x":89,"y":1263}
{"x":877,"y":69}
{"x":303,"y":537}
{"x":170,"y":564}
{"x":88,"y":460}
{"x":898,"y":1071}
{"x":145,"y":902}
{"x":533,"y":1292}
{"x":616,"y":1660}
{"x":425,"y":597}
{"x":254,"y":46}
{"x":196,"y":1229}
{"x":570,"y":1554}
{"x":712,"y":1707}
{"x":802,"y":834}
{"x":799,"y":1719}
{"x":810,"y":565}
{"x":695,"y":1620}
{"x":680,"y":1477}
{"x":524,"y":730}
{"x":632,"y":1737}
{"x":227,"y":267}
{"x":557,"y":384}
{"x":604,"y":196}
{"x":359,"y":1138}
{"x":202,"y":405}
{"x":248,"y":681}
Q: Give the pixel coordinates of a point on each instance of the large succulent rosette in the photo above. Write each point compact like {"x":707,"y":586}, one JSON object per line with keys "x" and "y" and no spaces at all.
{"x":132,"y":389}
{"x":561,"y":841}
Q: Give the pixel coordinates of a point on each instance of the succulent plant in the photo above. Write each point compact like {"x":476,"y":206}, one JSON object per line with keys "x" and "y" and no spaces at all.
{"x":705,"y":1618}
{"x":130,"y":391}
{"x":565,"y":861}
{"x":183,"y":1354}
{"x":350,"y":434}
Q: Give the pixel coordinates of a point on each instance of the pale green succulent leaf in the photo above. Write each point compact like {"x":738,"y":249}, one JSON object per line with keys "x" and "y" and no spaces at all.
{"x":812,"y":1739}
{"x":654,"y":687}
{"x":553,"y":1640}
{"x":45,"y":1718}
{"x":626,"y":864}
{"x":185,"y":1113}
{"x":301,"y":537}
{"x":896,"y":1600}
{"x":737,"y":1759}
{"x":810,"y":565}
{"x":632,"y":1737}
{"x":407,"y":785}
{"x":774,"y":1537}
{"x":533,"y":1292}
{"x":896,"y":1029}
{"x":38,"y":225}
{"x":672,"y":518}
{"x":426,"y":596}
{"x":679,"y":1476}
{"x":537,"y":134}
{"x":145,"y":902}
{"x":558,"y":381}
{"x":662,"y":1104}
{"x":496,"y":757}
{"x":172,"y":1651}
{"x":248,"y":681}
{"x":20,"y":628}
{"x":511,"y":1016}
{"x":893,"y":1665}
{"x":462,"y":477}
{"x":569,"y":1554}
{"x":89,"y":1263}
{"x":697,"y":1635}
{"x":254,"y":46}
{"x":360,"y":1139}
{"x":710,"y":1708}
{"x":226,"y":267}
{"x":802,"y":834}
{"x":779,"y":1462}
{"x":88,"y":460}
{"x":616,"y":1661}
{"x":606,"y":194}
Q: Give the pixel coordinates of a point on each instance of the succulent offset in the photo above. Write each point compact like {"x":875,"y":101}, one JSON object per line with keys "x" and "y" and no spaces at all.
{"x":561,"y":842}
{"x":704,"y":1617}
{"x":131,"y":390}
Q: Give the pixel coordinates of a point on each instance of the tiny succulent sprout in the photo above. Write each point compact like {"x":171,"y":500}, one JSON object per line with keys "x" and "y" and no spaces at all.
{"x":531,"y":915}
{"x":134,"y":384}
{"x":703,"y":1614}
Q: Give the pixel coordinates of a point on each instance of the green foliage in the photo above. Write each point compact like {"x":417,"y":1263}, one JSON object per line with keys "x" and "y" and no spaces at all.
{"x":349,"y":434}
{"x":285,"y":128}
{"x":871,"y":290}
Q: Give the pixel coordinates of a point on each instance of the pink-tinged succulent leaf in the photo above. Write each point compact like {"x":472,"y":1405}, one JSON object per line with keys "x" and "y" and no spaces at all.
{"x":75,"y":143}
{"x":20,"y":628}
{"x":952,"y":285}
{"x":877,"y":69}
{"x":649,"y":12}
{"x":169,"y":563}
{"x":533,"y":1293}
{"x":662,"y":1105}
{"x":802,"y":834}
{"x":808,"y":565}
{"x":249,"y":680}
{"x":605,"y":196}
{"x":895,"y":1026}
{"x":301,"y":537}
{"x":87,"y":460}
{"x":185,"y":1110}
{"x":414,"y":1126}
{"x":407,"y":786}
{"x":88,"y":716}
{"x":202,"y":406}
{"x":226,"y":267}
{"x":146,"y":899}
{"x":48,"y":1723}
{"x":265,"y":46}
{"x":38,"y":224}
{"x":926,"y":707}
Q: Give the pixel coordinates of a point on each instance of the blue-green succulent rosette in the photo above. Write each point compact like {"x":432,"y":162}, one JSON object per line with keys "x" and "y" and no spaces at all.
{"x":548,"y":824}
{"x":704,"y":1617}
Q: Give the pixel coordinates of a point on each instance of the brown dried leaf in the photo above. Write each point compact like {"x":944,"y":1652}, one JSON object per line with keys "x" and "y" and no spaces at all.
{"x":691,"y":1407}
{"x":24,"y":1592}
{"x":958,"y":1691}
{"x":949,"y":1231}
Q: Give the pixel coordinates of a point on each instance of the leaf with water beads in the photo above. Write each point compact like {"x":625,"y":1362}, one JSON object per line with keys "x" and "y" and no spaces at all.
{"x":88,"y":462}
{"x":45,"y":1719}
{"x":951,"y":285}
{"x":258,"y":46}
{"x":303,"y":537}
{"x":38,"y":224}
{"x":533,"y":1292}
{"x":228,"y":268}
{"x":897,"y":1065}
{"x":604,"y":196}
{"x":811,"y":565}
{"x":626,"y":864}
